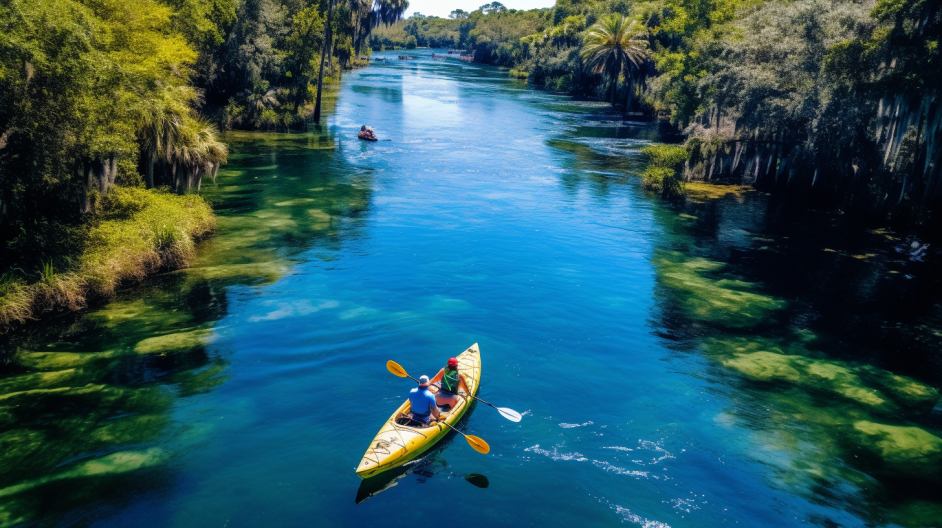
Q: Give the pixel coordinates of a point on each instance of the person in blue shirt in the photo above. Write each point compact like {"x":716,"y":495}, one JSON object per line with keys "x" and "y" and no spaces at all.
{"x":423,"y":403}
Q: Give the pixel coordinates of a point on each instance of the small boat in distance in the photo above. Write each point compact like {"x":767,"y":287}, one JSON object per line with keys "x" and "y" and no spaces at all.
{"x":397,"y":443}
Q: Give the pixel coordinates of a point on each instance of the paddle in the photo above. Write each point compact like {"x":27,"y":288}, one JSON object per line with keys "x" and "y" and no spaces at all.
{"x":478,"y":444}
{"x":477,"y":480}
{"x":509,"y":414}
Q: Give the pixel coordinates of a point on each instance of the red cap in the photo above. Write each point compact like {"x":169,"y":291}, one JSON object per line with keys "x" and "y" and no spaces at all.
{"x":453,"y":362}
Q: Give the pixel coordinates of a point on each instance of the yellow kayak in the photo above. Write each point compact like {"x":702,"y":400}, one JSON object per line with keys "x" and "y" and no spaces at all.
{"x":396,"y":444}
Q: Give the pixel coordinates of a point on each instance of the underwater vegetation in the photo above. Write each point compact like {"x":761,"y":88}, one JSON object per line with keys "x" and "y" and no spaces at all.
{"x":86,"y":405}
{"x":768,"y":360}
{"x":71,"y":411}
{"x":700,"y":192}
{"x":829,"y":427}
{"x":862,"y":407}
{"x":707,"y":296}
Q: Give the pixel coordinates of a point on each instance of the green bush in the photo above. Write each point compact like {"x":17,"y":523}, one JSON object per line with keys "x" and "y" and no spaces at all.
{"x":665,"y":168}
{"x":563,"y":83}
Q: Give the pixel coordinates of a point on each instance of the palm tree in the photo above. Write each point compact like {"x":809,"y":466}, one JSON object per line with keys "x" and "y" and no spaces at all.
{"x":178,"y":144}
{"x":197,"y":151}
{"x":612,"y":45}
{"x":388,"y":12}
{"x":384,"y":11}
{"x":362,"y":13}
{"x":260,"y":98}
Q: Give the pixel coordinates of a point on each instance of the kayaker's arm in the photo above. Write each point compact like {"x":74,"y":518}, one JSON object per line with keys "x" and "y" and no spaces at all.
{"x":462,"y":384}
{"x":438,"y":377}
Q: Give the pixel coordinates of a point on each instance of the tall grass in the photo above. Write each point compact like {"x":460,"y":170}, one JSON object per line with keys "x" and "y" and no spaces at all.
{"x":137,"y":232}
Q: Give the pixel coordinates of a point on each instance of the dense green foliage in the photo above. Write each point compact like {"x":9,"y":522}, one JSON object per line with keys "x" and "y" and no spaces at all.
{"x":90,"y":92}
{"x":98,"y":93}
{"x":663,"y":174}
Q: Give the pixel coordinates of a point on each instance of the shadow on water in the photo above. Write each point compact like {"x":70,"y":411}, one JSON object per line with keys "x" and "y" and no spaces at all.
{"x":87,"y":399}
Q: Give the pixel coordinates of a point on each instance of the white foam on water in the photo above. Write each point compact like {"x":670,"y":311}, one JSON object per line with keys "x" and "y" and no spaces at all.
{"x":619,"y":448}
{"x":628,"y":515}
{"x":570,"y":426}
{"x":555,"y":454}
{"x":621,"y":471}
{"x":684,"y":504}
{"x":654,"y":446}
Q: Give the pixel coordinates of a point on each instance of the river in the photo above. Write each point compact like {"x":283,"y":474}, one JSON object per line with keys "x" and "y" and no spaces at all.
{"x":715,"y":362}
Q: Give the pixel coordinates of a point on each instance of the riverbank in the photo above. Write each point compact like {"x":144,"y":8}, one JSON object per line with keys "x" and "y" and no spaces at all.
{"x":136,"y":232}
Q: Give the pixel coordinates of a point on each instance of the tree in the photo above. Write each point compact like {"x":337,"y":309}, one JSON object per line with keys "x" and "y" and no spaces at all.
{"x":493,"y":7}
{"x":305,"y":40}
{"x":459,"y":14}
{"x":615,"y":44}
{"x":384,"y":11}
{"x":320,"y":72}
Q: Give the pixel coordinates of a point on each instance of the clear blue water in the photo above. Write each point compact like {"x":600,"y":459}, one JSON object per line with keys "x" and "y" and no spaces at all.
{"x":244,"y":391}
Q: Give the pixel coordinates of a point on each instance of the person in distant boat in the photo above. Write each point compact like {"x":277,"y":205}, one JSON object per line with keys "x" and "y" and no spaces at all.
{"x":366,"y":133}
{"x":422,"y":402}
{"x":451,"y":381}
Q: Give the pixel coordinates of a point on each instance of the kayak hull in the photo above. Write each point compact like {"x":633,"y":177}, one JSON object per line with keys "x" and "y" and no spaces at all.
{"x":395,"y":444}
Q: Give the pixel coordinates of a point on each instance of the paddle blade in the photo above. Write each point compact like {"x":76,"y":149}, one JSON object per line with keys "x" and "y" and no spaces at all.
{"x":396,"y":369}
{"x":510,"y":414}
{"x":478,"y":444}
{"x":478,"y":480}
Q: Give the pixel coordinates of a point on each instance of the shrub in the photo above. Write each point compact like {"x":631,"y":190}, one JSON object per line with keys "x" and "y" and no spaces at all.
{"x":664,"y":172}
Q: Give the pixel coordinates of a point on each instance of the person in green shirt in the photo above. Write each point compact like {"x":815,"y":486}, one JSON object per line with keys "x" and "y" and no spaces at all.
{"x":451,"y":382}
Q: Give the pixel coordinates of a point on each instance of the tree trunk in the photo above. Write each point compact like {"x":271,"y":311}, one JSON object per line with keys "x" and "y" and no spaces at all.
{"x":299,"y":95}
{"x":614,"y":88}
{"x":631,"y":89}
{"x":99,"y":178}
{"x":149,"y":172}
{"x":356,"y":32}
{"x":320,"y":74}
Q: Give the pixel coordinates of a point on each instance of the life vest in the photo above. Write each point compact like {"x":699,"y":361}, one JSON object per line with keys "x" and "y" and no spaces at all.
{"x":450,"y":381}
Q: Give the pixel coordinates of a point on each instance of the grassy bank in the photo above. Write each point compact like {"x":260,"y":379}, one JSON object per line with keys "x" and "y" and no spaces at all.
{"x":134,"y":233}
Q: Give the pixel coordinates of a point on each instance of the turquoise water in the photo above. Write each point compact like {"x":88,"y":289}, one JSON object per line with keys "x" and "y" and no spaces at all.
{"x":706,"y":363}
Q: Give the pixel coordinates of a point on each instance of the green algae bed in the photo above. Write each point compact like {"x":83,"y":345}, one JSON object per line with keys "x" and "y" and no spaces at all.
{"x":135,"y":233}
{"x":861,"y":409}
{"x":726,"y":302}
{"x":855,"y":412}
{"x":699,"y":192}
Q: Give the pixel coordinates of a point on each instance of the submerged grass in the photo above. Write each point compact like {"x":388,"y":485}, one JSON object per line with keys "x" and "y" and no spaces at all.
{"x":700,"y":192}
{"x":857,"y":412}
{"x":726,"y":302}
{"x":137,"y":232}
